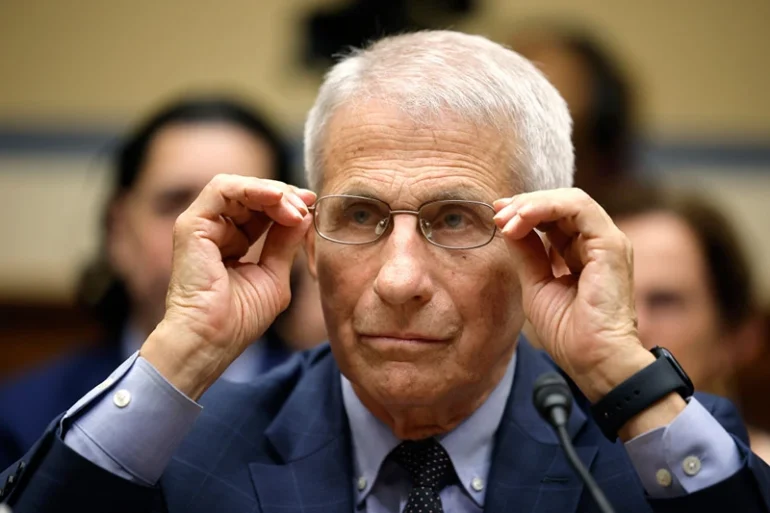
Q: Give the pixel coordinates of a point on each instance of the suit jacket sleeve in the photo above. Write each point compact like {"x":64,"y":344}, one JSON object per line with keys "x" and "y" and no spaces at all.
{"x":747,"y":491}
{"x":51,"y":477}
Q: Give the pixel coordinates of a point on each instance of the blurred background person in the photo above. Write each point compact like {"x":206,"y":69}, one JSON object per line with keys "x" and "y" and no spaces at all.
{"x":160,"y":169}
{"x":694,"y":288}
{"x":600,"y":96}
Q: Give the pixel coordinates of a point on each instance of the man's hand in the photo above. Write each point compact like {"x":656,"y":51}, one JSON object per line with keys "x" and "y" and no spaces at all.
{"x":580,"y":298}
{"x":216,"y":304}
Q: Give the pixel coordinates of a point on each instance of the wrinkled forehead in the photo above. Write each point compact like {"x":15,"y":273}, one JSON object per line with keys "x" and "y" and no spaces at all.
{"x":378,"y":150}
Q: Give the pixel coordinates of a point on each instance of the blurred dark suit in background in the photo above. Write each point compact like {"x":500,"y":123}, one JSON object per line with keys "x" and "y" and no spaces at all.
{"x":160,"y":169}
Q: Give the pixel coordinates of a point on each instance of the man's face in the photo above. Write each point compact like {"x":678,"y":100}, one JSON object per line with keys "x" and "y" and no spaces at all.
{"x":674,"y":299}
{"x":412,"y":324}
{"x":181,"y":160}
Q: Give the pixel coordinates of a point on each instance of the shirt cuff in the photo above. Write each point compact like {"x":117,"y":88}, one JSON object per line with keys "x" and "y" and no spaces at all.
{"x":131,"y":424}
{"x":691,"y":453}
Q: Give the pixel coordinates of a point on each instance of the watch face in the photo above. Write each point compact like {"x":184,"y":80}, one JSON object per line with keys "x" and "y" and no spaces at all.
{"x":662,"y":352}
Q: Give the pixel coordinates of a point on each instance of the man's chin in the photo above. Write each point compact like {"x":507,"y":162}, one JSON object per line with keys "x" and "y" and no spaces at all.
{"x":403,"y":384}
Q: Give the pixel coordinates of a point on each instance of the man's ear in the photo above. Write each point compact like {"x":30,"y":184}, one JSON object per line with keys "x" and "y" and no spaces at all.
{"x":310,"y":252}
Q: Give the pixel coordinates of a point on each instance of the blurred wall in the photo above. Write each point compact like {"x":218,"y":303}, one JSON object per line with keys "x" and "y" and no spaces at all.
{"x":702,"y":63}
{"x":81,"y":70}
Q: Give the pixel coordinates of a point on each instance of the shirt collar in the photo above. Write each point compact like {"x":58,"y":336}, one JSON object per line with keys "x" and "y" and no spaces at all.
{"x":469,"y":445}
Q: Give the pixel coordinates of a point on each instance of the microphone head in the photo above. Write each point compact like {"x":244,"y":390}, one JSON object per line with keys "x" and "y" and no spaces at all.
{"x":551,"y":391}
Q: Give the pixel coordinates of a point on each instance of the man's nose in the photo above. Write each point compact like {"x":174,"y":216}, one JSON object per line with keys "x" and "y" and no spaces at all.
{"x":406,"y":258}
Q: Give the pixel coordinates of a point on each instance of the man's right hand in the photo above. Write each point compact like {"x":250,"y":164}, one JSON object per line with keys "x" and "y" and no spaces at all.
{"x":216,"y":304}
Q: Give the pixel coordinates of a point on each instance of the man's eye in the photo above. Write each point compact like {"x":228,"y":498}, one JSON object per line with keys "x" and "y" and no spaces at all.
{"x":454,"y":220}
{"x":362,"y":214}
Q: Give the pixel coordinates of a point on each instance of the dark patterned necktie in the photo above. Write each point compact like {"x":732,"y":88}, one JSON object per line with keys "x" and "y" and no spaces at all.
{"x":430,"y":469}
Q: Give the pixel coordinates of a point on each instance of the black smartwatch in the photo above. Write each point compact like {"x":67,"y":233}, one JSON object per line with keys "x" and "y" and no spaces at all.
{"x":641,"y":390}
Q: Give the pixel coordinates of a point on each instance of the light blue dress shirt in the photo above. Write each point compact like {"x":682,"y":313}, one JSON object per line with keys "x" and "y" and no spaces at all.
{"x":118,"y":426}
{"x":382,"y":486}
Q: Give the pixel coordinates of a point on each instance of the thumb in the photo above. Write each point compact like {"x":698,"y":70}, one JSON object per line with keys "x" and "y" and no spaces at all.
{"x":534,"y":269}
{"x":281,"y":245}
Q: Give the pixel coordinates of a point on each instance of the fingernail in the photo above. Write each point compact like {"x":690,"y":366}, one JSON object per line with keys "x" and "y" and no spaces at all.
{"x":310,"y":192}
{"x":298,"y":203}
{"x":502,"y":202}
{"x":504,"y":212}
{"x":510,"y":225}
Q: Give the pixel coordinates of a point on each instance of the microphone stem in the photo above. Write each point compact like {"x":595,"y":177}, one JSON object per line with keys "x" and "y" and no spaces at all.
{"x":574,"y":460}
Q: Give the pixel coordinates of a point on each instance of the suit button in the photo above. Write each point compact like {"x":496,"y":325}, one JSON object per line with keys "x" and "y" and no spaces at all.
{"x":9,"y":482}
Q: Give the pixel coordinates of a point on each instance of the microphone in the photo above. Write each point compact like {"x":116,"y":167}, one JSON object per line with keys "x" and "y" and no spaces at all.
{"x":553,"y":400}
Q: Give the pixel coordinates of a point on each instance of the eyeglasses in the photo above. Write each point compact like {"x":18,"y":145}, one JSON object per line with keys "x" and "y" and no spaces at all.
{"x":451,"y":224}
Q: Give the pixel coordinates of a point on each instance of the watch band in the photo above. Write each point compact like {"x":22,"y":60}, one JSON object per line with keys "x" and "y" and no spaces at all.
{"x":638,"y":392}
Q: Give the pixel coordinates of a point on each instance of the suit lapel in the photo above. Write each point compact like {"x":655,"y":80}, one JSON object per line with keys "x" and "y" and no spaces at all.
{"x":313,"y":469}
{"x":529,"y":472}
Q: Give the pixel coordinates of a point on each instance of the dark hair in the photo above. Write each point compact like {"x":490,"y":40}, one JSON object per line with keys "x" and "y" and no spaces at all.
{"x":611,"y":123}
{"x":609,"y":130}
{"x":100,"y":291}
{"x":729,"y":273}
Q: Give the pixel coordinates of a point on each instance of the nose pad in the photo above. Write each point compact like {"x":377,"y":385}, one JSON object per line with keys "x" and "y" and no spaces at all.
{"x":381,"y":226}
{"x":427,"y":229}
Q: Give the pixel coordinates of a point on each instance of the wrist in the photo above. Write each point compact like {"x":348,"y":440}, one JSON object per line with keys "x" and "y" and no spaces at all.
{"x":181,"y":359}
{"x":613,"y":371}
{"x":637,"y":392}
{"x":658,"y":414}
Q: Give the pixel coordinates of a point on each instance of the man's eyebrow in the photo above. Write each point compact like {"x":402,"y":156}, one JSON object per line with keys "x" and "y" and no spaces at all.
{"x":462,"y":194}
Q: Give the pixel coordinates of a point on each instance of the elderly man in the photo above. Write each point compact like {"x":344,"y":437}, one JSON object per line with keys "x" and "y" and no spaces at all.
{"x":435,"y":156}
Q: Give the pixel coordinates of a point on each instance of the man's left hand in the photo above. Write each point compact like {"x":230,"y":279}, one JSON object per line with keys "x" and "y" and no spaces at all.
{"x":579,"y":300}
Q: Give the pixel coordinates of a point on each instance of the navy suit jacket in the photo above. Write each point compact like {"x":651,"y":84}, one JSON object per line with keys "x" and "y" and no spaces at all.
{"x":283,"y":445}
{"x":30,"y":401}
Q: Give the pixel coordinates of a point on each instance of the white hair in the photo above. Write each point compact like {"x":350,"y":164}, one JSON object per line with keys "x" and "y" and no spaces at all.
{"x":430,"y":73}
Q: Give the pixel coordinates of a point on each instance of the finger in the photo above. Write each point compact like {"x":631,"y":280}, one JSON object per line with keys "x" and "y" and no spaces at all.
{"x":223,"y":191}
{"x":278,"y":253}
{"x":256,"y":226}
{"x":235,"y":246}
{"x":573,"y":209}
{"x":501,"y":203}
{"x":534,"y":266}
{"x":305,"y":195}
{"x":566,"y":247}
{"x":558,"y":266}
{"x":277,"y":200}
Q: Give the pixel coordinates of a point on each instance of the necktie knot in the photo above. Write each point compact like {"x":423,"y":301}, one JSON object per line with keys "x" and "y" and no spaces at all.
{"x":426,"y":461}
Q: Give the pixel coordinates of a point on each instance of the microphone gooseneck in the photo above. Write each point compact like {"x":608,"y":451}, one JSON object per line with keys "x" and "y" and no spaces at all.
{"x":553,"y":400}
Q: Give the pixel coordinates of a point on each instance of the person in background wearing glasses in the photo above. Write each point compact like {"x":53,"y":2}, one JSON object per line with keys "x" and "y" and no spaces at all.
{"x":442,"y":163}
